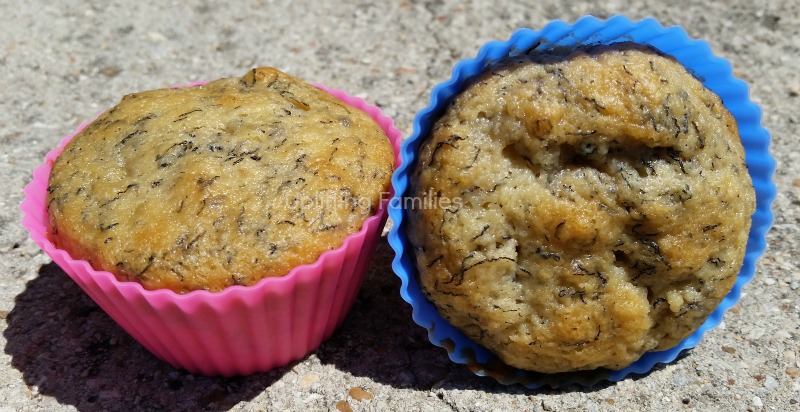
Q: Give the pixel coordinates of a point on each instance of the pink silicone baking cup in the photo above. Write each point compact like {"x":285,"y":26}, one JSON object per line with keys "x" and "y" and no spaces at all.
{"x":241,"y":329}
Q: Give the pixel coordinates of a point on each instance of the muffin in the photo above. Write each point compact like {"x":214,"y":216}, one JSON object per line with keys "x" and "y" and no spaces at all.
{"x":217,"y":185}
{"x":583,"y":208}
{"x":241,"y":329}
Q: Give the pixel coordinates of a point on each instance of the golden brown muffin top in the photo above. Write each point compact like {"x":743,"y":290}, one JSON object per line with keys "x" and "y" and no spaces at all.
{"x":217,"y":185}
{"x":597,"y":207}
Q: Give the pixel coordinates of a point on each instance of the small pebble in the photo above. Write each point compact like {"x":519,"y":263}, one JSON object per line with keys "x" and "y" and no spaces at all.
{"x":405,"y":379}
{"x":34,"y":390}
{"x":308,"y":380}
{"x":311,"y":398}
{"x":680,"y":380}
{"x":359,"y":394}
{"x":728,"y":349}
{"x":757,"y":402}
{"x":793,"y":372}
{"x":110,"y":71}
{"x":770,"y":383}
{"x":755,"y":334}
{"x":343,"y":406}
{"x":156,"y":37}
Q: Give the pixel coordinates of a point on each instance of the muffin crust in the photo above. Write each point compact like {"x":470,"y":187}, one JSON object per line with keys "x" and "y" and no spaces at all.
{"x":217,"y":185}
{"x":597,"y":207}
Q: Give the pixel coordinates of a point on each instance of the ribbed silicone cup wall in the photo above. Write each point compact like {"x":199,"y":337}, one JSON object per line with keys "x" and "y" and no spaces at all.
{"x":240,"y":330}
{"x":697,"y":57}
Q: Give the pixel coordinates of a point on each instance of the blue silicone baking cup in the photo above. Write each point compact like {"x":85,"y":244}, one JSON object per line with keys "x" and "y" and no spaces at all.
{"x":696,"y":55}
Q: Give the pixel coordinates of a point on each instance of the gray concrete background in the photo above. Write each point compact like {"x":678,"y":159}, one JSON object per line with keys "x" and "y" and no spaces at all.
{"x":62,"y":62}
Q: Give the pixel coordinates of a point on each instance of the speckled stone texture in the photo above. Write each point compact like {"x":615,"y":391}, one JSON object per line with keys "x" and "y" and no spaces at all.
{"x":63,"y":62}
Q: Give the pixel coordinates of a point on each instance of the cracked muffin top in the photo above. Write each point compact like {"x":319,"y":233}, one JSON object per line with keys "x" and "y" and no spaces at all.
{"x":580,"y":210}
{"x":217,"y":185}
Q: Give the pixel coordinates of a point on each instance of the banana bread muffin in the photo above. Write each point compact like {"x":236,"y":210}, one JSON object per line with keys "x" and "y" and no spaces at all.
{"x":217,"y":185}
{"x":580,"y":210}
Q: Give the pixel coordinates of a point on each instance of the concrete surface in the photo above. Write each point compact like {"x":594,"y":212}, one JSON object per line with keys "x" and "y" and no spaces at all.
{"x":62,"y":62}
